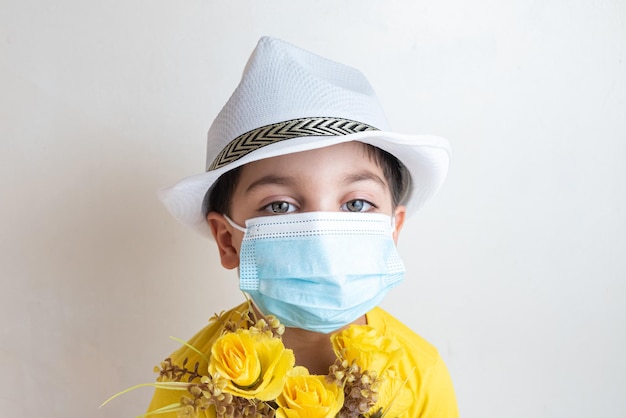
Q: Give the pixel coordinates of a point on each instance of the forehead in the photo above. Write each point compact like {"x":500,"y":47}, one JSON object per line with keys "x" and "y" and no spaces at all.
{"x":320,"y":161}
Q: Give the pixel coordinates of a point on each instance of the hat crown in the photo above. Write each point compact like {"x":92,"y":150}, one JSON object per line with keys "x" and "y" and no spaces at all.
{"x":282,"y":82}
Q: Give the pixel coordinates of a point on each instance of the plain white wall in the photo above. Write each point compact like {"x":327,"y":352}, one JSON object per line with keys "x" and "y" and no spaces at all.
{"x":516,"y":269}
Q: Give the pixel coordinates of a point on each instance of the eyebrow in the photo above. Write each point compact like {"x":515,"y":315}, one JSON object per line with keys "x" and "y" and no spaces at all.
{"x":290,"y":181}
{"x":365,"y":176}
{"x":271,"y":179}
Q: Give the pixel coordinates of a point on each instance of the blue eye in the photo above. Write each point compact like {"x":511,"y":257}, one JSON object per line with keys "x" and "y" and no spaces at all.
{"x":280,"y":207}
{"x":357,"y":205}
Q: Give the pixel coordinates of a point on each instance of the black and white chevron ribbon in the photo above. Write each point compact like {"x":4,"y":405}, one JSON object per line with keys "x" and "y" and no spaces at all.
{"x":269,"y":134}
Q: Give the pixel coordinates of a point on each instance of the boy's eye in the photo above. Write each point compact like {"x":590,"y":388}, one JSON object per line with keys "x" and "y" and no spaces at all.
{"x":357,"y":205}
{"x":280,"y":207}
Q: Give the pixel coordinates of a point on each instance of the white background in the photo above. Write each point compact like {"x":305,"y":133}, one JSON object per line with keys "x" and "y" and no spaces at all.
{"x":516,"y":269}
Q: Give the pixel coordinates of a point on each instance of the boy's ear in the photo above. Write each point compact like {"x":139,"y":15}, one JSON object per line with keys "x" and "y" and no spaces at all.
{"x":223,"y":233}
{"x":399,"y":215}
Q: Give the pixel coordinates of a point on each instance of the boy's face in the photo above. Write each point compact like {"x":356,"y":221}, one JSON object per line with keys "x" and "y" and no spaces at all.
{"x":341,"y":177}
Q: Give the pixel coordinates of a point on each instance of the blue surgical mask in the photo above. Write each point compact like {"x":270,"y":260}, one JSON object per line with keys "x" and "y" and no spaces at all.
{"x":318,"y":270}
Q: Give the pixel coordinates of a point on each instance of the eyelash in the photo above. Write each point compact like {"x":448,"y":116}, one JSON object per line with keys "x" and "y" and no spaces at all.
{"x":367,"y":206}
{"x":268,"y":208}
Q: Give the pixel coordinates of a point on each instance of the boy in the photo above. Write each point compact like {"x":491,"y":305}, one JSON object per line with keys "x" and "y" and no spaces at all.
{"x":306,"y":192}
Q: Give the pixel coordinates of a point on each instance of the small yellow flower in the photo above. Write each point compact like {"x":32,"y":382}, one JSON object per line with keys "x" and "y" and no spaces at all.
{"x":366,"y":347}
{"x":308,"y":396}
{"x":254,"y":366}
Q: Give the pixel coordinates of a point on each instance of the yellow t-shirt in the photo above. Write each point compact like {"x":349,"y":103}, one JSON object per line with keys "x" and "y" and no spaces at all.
{"x":426,"y":374}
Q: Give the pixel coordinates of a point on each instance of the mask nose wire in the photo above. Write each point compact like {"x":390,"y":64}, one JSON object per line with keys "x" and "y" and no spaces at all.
{"x":234,"y":225}
{"x":242,"y":229}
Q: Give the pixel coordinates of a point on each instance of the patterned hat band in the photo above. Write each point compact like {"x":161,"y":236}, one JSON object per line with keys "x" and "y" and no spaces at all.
{"x":295,"y":128}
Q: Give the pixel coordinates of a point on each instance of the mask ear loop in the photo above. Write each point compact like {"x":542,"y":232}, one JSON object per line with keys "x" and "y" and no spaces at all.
{"x":234,"y":225}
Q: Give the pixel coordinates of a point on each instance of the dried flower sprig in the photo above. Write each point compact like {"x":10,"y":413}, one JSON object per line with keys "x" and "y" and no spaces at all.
{"x":269,"y":326}
{"x":360,"y":388}
{"x":169,"y":372}
{"x":212,"y":392}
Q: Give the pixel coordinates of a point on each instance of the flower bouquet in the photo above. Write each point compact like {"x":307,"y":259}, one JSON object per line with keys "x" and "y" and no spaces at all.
{"x":251,"y":374}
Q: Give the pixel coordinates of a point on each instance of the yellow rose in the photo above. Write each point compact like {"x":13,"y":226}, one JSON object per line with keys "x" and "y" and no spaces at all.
{"x":308,"y":396}
{"x":254,"y":366}
{"x":366,"y":347}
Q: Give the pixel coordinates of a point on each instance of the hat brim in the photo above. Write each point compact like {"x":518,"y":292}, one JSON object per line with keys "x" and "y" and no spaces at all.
{"x":425,"y":156}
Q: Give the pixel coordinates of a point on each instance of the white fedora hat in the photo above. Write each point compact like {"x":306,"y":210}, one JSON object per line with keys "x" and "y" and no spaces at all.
{"x":291,"y":100}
